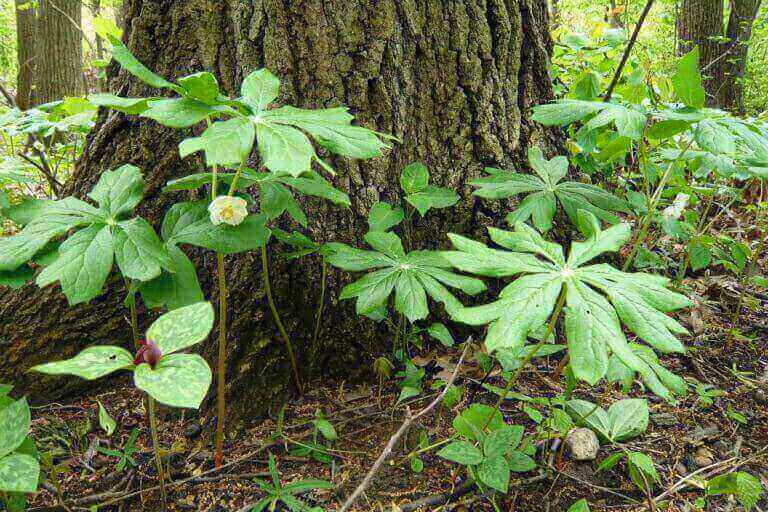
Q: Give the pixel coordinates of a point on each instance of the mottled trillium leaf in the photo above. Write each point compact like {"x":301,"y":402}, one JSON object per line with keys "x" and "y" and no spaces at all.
{"x":90,"y":364}
{"x":178,"y":380}
{"x":19,"y":473}
{"x":14,"y":425}
{"x":182,"y":328}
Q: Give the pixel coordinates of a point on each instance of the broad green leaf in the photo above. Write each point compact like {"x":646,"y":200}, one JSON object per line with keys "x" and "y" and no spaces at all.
{"x":25,"y":210}
{"x":441,"y":333}
{"x":119,"y":191}
{"x":182,"y":328}
{"x":131,"y":106}
{"x":410,"y":297}
{"x":84,"y":263}
{"x":274,"y":199}
{"x":371,"y":290}
{"x":666,"y":129}
{"x":527,"y":239}
{"x":173,"y":290}
{"x":461,"y":452}
{"x":52,"y":220}
{"x":687,"y":80}
{"x":550,"y":171}
{"x":201,"y":86}
{"x":106,"y":421}
{"x":131,"y":64}
{"x":383,"y":217}
{"x":19,"y":473}
{"x":385,"y":242}
{"x":478,"y":259}
{"x":138,"y":250}
{"x":629,"y":418}
{"x":565,"y":112}
{"x":313,"y":184}
{"x":474,"y":420}
{"x":190,"y":223}
{"x":15,"y":419}
{"x":178,"y":112}
{"x":259,"y":89}
{"x":284,"y":149}
{"x":332,"y":129}
{"x":503,"y":440}
{"x":520,"y":462}
{"x":713,"y":136}
{"x":502,"y":184}
{"x":90,"y":364}
{"x":17,"y":278}
{"x":609,"y":240}
{"x":586,"y":338}
{"x":432,"y":197}
{"x":178,"y":380}
{"x":579,"y":506}
{"x":539,"y":206}
{"x":355,"y":260}
{"x":745,"y":487}
{"x":414,"y":178}
{"x":494,"y":472}
{"x":637,"y":461}
{"x":225,"y":143}
{"x":591,"y":415}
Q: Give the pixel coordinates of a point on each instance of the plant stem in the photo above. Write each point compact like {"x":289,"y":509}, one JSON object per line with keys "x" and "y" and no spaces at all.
{"x":646,"y":224}
{"x":134,"y":313}
{"x":156,"y":448}
{"x":318,"y":316}
{"x":221,"y":403}
{"x":513,"y":378}
{"x":627,"y":51}
{"x":276,"y":315}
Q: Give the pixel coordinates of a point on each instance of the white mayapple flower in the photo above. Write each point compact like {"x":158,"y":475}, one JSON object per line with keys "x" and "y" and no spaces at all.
{"x":229,"y":210}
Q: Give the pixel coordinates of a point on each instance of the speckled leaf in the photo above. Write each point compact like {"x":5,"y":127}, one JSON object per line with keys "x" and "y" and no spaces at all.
{"x":90,"y":364}
{"x":179,"y":380}
{"x":19,"y":473}
{"x":182,"y":327}
{"x":14,"y":425}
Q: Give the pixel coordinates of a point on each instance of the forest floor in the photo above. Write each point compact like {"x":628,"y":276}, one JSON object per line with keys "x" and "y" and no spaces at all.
{"x":688,"y":441}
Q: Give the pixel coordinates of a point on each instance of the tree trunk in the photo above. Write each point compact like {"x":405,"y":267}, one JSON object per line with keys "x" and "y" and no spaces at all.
{"x":25,"y":45}
{"x":723,"y":46}
{"x":59,"y":50}
{"x":453,"y":80}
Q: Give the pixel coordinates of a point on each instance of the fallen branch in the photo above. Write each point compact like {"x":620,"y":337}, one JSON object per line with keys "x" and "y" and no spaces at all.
{"x":390,"y":446}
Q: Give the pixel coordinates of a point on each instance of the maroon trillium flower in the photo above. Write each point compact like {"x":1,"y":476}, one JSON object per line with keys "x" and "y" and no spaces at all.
{"x":148,"y":353}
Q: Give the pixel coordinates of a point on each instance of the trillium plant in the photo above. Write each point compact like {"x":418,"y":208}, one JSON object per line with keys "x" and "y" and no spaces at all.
{"x":235,"y":127}
{"x":159,"y":369}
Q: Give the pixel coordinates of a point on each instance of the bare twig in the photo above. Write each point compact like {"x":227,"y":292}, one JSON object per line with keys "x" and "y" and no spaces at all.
{"x":628,"y":50}
{"x":390,"y":446}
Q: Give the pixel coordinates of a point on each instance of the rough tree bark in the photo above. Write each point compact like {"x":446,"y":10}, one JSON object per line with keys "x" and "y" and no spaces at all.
{"x":25,"y":45}
{"x":58,"y":50}
{"x":723,"y":46}
{"x":454,"y":80}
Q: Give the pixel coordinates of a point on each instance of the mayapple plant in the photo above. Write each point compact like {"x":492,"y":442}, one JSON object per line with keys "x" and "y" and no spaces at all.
{"x":165,"y":375}
{"x":545,"y":190}
{"x":234,"y":128}
{"x":598,"y":298}
{"x":411,"y":275}
{"x":19,"y":466}
{"x":101,"y":236}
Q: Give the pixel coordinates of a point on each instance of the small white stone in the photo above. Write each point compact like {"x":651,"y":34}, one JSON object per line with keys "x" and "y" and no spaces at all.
{"x":582,"y":444}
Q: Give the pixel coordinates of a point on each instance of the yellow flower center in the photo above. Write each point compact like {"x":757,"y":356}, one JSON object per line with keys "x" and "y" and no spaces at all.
{"x":227,"y":212}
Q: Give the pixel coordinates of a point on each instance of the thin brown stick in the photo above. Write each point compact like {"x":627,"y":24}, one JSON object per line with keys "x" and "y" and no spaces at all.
{"x":628,"y":50}
{"x":390,"y":446}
